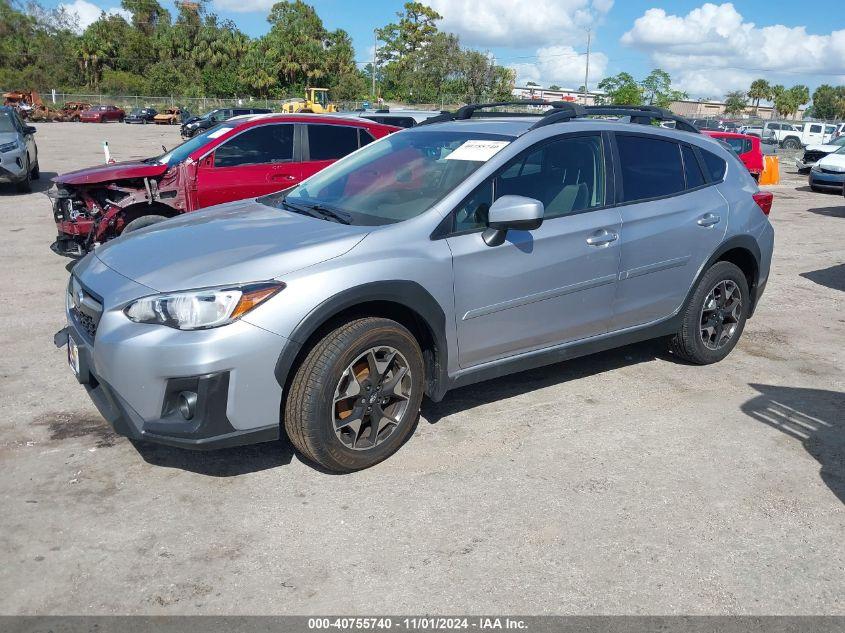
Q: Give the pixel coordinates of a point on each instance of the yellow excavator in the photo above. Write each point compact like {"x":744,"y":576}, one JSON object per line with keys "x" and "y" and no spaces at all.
{"x":316,"y":101}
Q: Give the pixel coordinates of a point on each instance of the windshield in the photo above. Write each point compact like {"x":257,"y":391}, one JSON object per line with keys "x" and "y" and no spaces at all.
{"x":6,"y":123}
{"x":841,"y":150}
{"x":181,"y":152}
{"x":396,"y":178}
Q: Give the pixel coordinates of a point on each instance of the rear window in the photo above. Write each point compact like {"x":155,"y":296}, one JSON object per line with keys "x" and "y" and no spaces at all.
{"x":739,"y":145}
{"x":815,"y":129}
{"x":714,"y":166}
{"x":330,"y":142}
{"x":651,"y":167}
{"x":692,"y":170}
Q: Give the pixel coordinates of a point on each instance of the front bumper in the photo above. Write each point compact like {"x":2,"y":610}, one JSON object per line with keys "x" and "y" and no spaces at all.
{"x":133,"y":373}
{"x":13,"y":166}
{"x":802,"y":166}
{"x":827,"y":180}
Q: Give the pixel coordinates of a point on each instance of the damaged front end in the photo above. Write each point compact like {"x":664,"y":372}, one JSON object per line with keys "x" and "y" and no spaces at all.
{"x":90,"y":213}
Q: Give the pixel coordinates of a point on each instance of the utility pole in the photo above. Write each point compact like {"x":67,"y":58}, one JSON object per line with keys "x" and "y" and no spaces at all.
{"x":587,"y":70}
{"x":375,"y":46}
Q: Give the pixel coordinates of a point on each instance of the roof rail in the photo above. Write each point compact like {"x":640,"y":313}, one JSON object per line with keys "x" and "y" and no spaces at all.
{"x":467,"y":111}
{"x":643,"y":114}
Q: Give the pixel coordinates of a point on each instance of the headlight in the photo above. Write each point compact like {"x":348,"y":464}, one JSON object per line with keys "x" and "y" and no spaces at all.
{"x":201,"y":309}
{"x":9,"y":147}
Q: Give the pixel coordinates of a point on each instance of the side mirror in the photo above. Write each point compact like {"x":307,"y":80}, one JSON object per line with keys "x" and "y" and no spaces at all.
{"x":30,"y":130}
{"x":512,"y":212}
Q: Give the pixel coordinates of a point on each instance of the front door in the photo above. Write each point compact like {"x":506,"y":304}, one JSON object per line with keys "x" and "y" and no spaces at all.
{"x":258,"y":161}
{"x":674,"y":220}
{"x":543,"y":287}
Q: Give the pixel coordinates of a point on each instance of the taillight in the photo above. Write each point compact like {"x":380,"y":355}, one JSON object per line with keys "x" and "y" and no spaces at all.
{"x":764,"y":201}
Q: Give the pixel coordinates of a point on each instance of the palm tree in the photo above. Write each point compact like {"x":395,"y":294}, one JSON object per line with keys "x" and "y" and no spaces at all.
{"x":759,"y":90}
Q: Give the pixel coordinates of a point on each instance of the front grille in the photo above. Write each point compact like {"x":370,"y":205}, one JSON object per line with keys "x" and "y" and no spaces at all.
{"x":84,"y":307}
{"x":87,"y":323}
{"x":812,"y":156}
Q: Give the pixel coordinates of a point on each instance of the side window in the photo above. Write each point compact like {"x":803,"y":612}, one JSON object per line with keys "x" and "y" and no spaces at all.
{"x":364,"y":137}
{"x":329,"y":142}
{"x":815,"y":129}
{"x":566,"y":175}
{"x":650,"y":167}
{"x":774,"y":126}
{"x":257,"y":145}
{"x":714,"y":165}
{"x":692,"y":170}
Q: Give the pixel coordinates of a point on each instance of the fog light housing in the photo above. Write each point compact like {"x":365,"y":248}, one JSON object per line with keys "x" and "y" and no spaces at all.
{"x":187,"y":404}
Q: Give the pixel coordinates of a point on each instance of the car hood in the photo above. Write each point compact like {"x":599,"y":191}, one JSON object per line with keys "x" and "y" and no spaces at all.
{"x":822,"y":148}
{"x":8,"y":137}
{"x":833,"y":160}
{"x":113,"y":171}
{"x":232,"y":243}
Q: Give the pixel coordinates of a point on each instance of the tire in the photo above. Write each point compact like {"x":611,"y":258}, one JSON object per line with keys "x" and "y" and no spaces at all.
{"x":791,"y":143}
{"x":311,"y":410}
{"x":688,"y":344}
{"x":140,"y":223}
{"x":816,"y":189}
{"x":25,"y":185}
{"x":36,"y":171}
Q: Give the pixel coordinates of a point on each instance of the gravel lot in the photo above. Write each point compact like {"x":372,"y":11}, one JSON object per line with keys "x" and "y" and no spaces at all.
{"x":620,"y":483}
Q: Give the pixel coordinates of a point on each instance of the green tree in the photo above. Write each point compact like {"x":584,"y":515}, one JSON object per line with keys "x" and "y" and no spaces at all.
{"x":760,"y":90}
{"x":799,"y":95}
{"x":829,"y":102}
{"x":621,"y":89}
{"x":657,"y":89}
{"x":735,"y":102}
{"x":555,"y":87}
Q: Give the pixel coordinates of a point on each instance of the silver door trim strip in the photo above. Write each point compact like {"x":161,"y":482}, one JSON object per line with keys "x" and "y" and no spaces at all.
{"x":653,"y":268}
{"x":539,"y":296}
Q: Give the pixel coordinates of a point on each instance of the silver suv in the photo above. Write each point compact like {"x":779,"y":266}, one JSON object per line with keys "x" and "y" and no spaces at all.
{"x":18,"y":151}
{"x":453,"y":252}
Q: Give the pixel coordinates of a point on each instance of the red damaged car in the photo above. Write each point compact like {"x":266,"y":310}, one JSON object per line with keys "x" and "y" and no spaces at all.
{"x":240,"y":158}
{"x":746,"y":147}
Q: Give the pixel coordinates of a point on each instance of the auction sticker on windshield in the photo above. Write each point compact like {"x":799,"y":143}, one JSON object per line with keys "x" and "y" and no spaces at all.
{"x":477,"y":150}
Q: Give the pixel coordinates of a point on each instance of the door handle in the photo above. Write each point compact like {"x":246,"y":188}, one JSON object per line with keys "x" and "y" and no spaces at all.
{"x":709,"y":219}
{"x":286,"y":177}
{"x":602,"y":238}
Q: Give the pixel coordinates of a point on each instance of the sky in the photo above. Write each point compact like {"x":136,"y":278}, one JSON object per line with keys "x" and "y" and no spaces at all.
{"x":708,"y":48}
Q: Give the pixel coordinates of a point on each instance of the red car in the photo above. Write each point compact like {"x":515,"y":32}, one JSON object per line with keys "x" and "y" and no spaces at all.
{"x":240,"y":158}
{"x":746,"y":147}
{"x":102,"y":114}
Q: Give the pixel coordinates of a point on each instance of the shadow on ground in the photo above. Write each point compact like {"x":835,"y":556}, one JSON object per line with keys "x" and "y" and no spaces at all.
{"x":226,"y":462}
{"x":831,"y":212}
{"x":833,"y":277}
{"x":813,"y":417}
{"x":38,"y":186}
{"x":527,"y":381}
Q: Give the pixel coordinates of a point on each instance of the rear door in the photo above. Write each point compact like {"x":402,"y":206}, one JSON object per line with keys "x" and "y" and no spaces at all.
{"x":813,"y":134}
{"x":673,"y":220}
{"x":257,"y":161}
{"x":544,"y":287}
{"x":323,"y":144}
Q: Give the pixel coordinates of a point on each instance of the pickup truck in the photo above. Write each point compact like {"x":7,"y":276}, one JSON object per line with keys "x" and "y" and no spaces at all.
{"x":792,"y":135}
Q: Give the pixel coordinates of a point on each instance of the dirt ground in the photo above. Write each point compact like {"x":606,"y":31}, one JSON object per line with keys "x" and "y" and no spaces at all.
{"x":619,"y":483}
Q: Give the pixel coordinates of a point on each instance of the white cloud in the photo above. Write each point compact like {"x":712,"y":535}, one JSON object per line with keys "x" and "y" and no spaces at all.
{"x":87,"y":13}
{"x":561,"y":65}
{"x":243,"y":6}
{"x":519,"y":24}
{"x":713,"y":49}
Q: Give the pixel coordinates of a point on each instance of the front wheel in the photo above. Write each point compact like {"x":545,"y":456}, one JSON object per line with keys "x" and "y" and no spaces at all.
{"x":25,"y":185}
{"x":140,"y":223}
{"x":714,"y":317}
{"x":355,"y":398}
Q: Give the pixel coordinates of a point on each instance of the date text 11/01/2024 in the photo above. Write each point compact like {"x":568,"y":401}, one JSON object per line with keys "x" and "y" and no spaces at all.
{"x":417,"y":623}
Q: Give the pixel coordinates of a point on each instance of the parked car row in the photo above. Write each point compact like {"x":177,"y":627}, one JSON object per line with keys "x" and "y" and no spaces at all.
{"x":456,"y":251}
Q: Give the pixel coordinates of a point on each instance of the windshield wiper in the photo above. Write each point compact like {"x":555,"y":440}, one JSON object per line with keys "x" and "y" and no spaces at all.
{"x":319,"y":211}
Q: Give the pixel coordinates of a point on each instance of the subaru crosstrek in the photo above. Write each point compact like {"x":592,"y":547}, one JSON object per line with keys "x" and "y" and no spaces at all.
{"x":446,"y":254}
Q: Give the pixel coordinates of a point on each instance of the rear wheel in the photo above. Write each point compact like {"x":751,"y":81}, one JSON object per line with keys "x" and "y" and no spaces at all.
{"x":714,"y":317}
{"x":791,"y":143}
{"x":355,"y":398}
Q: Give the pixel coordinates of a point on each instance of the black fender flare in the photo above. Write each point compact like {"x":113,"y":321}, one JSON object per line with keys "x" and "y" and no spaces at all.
{"x":745,"y":242}
{"x":404,"y":293}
